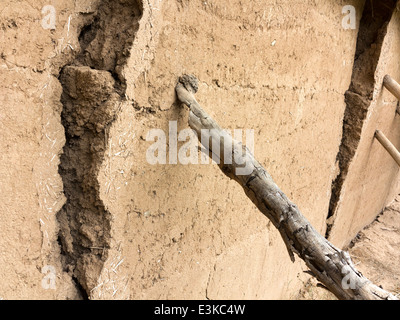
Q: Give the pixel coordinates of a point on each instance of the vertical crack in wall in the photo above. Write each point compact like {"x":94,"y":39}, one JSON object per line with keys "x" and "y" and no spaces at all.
{"x":372,"y":31}
{"x":93,"y":90}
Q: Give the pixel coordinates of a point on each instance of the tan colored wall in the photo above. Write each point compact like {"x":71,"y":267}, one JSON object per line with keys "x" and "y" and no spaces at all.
{"x":372,"y":181}
{"x":176,"y":231}
{"x":186,"y":231}
{"x":31,"y":140}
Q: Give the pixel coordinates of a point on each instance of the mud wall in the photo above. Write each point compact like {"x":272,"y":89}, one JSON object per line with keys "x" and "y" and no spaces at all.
{"x":371,"y":176}
{"x":181,"y":240}
{"x":83,"y":213}
{"x":32,"y":138}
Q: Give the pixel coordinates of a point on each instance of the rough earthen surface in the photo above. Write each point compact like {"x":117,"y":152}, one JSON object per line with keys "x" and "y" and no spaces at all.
{"x":92,"y":99}
{"x":375,"y":249}
{"x":82,"y":212}
{"x":375,"y":254}
{"x":370,"y":180}
{"x":359,"y":98}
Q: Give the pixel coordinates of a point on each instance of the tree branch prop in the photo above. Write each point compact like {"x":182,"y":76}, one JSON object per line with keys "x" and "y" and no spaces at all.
{"x":331,"y":266}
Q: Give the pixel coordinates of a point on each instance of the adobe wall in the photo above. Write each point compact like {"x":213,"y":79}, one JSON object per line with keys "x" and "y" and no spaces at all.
{"x":31,"y":140}
{"x":186,"y":231}
{"x":372,"y":179}
{"x":82,"y":209}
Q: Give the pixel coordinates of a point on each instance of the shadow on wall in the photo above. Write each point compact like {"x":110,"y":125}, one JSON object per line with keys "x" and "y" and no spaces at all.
{"x":93,"y":91}
{"x":372,"y":32}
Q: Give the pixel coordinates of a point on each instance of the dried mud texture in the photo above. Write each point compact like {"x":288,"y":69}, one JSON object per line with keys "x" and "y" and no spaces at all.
{"x":107,"y":40}
{"x":130,"y":230}
{"x":376,"y":249}
{"x":92,"y":97}
{"x":84,"y":222}
{"x":372,"y":32}
{"x":32,"y":138}
{"x":375,"y":252}
{"x":369,"y":178}
{"x":186,"y":231}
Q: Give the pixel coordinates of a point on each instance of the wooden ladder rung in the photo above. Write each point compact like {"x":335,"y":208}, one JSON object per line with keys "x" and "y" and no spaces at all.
{"x":390,"y":148}
{"x":392,"y":86}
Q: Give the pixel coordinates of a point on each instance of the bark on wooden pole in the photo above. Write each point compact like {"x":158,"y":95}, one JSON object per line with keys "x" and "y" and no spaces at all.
{"x":330,"y":265}
{"x":390,"y":148}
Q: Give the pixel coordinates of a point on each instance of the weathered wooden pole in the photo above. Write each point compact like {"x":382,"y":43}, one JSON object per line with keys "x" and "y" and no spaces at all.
{"x":331,"y":266}
{"x":390,"y":148}
{"x":393,"y":87}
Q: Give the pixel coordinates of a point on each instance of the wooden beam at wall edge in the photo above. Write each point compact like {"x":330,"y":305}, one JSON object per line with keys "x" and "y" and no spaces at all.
{"x":393,"y":87}
{"x":390,"y":148}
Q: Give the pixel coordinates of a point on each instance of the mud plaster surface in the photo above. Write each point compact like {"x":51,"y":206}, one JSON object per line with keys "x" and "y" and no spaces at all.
{"x":175,"y":231}
{"x":190,"y":232}
{"x":372,"y":176}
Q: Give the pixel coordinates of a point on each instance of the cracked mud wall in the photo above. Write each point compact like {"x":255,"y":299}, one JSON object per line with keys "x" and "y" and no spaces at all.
{"x":373,"y":30}
{"x":184,"y":232}
{"x":93,"y":92}
{"x":32,"y":138}
{"x":371,"y":181}
{"x":138,"y":231}
{"x":33,"y":264}
{"x":84,"y":222}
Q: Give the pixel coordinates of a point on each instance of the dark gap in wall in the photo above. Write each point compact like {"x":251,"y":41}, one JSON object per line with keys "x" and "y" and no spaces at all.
{"x":93,"y":89}
{"x":373,"y":28}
